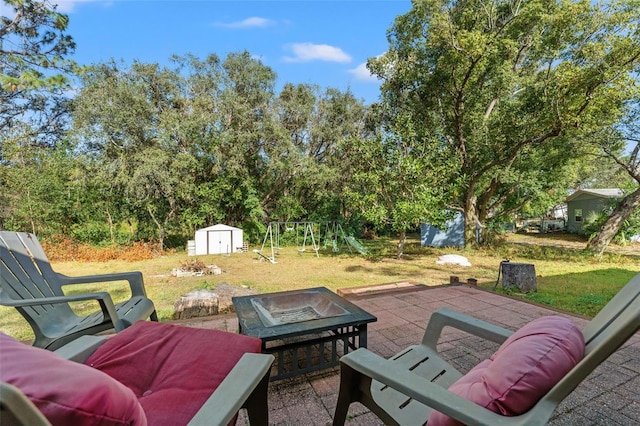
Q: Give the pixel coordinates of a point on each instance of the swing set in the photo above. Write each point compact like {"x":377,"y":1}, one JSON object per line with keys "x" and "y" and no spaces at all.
{"x":305,"y":236}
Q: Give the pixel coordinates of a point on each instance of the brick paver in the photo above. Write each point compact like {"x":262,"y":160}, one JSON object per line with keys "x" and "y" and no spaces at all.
{"x":609,"y":396}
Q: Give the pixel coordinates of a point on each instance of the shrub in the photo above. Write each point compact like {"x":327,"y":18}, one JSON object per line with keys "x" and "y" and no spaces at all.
{"x":65,"y":249}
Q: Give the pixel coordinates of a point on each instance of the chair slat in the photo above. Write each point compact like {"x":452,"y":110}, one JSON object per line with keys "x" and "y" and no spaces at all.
{"x":20,"y":262}
{"x":26,"y":274}
{"x":39,"y":258}
{"x":22,"y":279}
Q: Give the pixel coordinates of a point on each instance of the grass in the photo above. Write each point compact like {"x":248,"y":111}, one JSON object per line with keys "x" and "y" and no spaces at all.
{"x":567,"y":278}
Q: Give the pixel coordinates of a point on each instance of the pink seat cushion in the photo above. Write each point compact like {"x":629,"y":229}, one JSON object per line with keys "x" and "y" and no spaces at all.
{"x":67,"y":393}
{"x":527,"y":365}
{"x":172,"y":370}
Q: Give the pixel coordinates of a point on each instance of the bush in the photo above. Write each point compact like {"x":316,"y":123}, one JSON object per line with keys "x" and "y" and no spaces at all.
{"x":629,"y":228}
{"x":65,"y":249}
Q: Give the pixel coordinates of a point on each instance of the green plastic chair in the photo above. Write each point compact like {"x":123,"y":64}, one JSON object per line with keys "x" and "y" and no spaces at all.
{"x":404,"y":389}
{"x":29,"y":284}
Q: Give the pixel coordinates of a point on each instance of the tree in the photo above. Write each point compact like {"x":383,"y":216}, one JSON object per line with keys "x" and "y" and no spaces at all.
{"x":317,"y":127}
{"x":210,"y":141}
{"x":34,"y":69}
{"x":246,"y":129}
{"x":41,"y":196}
{"x":395,"y":181}
{"x":34,"y":72}
{"x":500,"y":84}
{"x":131,"y":121}
{"x":625,"y":133}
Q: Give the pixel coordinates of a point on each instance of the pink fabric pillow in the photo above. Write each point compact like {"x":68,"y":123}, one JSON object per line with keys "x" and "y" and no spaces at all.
{"x":67,"y":393}
{"x":171,"y":369}
{"x":527,"y":365}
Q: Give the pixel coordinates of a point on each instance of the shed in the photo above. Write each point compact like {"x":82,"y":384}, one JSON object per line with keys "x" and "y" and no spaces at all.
{"x":451,"y":236}
{"x":584,"y":202}
{"x":218,"y":239}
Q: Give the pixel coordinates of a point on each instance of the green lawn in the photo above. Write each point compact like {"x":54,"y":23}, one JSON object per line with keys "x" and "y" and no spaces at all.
{"x":567,"y":279}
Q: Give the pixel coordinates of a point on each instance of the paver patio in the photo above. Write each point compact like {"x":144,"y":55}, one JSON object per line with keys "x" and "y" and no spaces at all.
{"x":609,"y":396}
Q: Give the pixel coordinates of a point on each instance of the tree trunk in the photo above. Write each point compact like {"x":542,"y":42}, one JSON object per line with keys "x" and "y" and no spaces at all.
{"x":470,"y":220}
{"x":401,"y":239}
{"x":623,"y":210}
{"x":110,"y":220}
{"x":161,"y":229}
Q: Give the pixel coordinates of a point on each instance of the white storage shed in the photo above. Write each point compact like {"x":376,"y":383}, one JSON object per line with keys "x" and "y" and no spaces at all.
{"x":218,"y":239}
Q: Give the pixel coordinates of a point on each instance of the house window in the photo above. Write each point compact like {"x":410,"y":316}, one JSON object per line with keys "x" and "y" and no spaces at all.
{"x":578,"y":215}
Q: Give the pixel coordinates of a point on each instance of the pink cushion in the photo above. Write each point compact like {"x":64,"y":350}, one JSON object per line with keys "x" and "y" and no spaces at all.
{"x":527,"y":365}
{"x":67,"y":393}
{"x":172,"y":370}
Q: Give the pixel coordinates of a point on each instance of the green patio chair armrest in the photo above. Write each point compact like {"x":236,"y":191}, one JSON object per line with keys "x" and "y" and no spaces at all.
{"x":369,"y":364}
{"x":444,"y":317}
{"x":56,"y":299}
{"x":17,"y":409}
{"x":80,"y":349}
{"x":134,"y":278}
{"x":235,"y":389}
{"x":103,"y":299}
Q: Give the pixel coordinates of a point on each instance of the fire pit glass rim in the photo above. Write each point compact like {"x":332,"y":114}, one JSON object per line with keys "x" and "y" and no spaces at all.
{"x":274,"y":310}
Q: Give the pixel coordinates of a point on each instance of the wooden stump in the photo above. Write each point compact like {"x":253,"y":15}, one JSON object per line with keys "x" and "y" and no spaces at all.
{"x":225,"y":294}
{"x":198,"y":303}
{"x":202,"y":303}
{"x":520,"y":275}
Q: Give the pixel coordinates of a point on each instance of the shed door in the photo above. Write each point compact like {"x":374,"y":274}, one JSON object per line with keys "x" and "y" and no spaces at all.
{"x":219,"y":242}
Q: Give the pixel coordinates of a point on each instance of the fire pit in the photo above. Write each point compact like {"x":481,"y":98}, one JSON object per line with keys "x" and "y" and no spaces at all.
{"x":292,"y":308}
{"x":305,"y":329}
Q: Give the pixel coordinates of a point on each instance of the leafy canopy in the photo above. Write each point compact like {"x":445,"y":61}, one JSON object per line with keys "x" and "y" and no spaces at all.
{"x":504,"y":90}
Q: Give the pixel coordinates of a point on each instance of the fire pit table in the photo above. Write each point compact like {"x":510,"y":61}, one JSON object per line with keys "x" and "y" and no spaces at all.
{"x":304,"y":329}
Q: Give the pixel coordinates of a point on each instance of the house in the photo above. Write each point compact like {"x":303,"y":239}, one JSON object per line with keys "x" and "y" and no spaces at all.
{"x":584,"y":202}
{"x":218,"y":239}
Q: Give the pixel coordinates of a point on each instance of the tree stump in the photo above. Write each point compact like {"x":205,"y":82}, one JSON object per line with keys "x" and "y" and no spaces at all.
{"x":226,"y":292}
{"x":202,"y":303}
{"x":520,"y":275}
{"x":198,"y":303}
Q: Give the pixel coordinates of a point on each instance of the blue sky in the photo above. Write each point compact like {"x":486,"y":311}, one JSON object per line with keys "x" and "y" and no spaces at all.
{"x":304,"y":41}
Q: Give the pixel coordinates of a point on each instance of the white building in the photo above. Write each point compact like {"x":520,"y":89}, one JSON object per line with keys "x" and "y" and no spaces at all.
{"x":218,"y":239}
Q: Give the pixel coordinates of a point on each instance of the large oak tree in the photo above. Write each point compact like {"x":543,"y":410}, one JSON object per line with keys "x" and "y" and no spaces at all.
{"x":503,"y":90}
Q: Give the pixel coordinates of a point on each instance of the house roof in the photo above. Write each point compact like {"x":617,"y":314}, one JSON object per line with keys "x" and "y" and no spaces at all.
{"x":597,"y":193}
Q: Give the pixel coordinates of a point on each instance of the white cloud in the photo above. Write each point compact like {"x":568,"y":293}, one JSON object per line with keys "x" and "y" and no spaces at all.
{"x":67,"y":6}
{"x":361,"y":73}
{"x":252,"y":22}
{"x":306,"y":52}
{"x":63,"y":6}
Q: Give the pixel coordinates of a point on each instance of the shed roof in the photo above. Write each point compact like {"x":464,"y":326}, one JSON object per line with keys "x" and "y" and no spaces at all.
{"x":597,"y":193}
{"x":220,"y":227}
